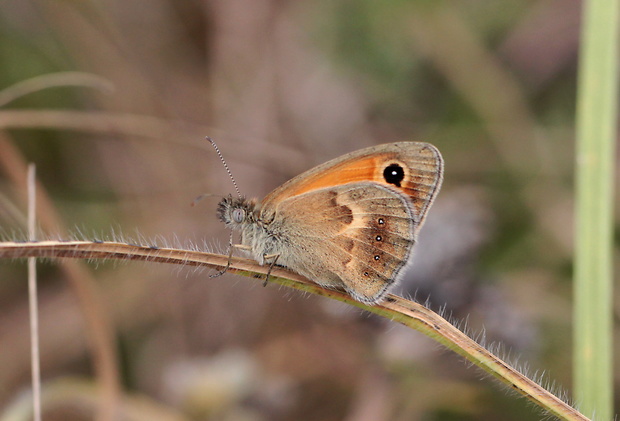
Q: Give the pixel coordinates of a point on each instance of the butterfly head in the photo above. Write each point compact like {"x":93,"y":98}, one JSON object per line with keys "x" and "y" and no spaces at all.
{"x":236,"y":211}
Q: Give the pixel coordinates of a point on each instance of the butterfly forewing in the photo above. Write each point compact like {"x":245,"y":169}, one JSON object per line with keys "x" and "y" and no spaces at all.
{"x":421,"y":165}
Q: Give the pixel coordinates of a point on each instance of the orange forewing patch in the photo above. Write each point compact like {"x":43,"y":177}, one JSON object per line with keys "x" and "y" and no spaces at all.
{"x":347,"y":172}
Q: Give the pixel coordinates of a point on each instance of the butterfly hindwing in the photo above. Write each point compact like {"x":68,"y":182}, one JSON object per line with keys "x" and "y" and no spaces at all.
{"x":357,"y":236}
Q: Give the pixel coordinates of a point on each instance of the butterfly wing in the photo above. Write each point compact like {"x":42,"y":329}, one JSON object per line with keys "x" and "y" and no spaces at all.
{"x":413,"y":168}
{"x":356,"y":236}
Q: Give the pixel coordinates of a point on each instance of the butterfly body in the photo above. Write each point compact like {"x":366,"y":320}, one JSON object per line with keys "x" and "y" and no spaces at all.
{"x":350,"y":223}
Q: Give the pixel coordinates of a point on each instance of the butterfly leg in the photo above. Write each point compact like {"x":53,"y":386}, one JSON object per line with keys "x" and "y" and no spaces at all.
{"x":231,"y":247}
{"x":275,"y":259}
{"x":223,"y":271}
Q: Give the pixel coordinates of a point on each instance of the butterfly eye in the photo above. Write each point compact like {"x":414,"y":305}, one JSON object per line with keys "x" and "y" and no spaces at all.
{"x":394,"y":174}
{"x":238,"y":215}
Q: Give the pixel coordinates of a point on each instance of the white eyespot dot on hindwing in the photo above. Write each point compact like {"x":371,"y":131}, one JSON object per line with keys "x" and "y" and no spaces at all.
{"x":391,"y":240}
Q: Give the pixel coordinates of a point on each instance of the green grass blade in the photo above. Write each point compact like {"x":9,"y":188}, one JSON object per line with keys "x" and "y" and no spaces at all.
{"x":596,"y":133}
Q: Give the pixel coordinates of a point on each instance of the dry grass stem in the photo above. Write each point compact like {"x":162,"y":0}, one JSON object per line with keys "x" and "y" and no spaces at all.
{"x":395,"y":308}
{"x":100,"y":331}
{"x":33,"y":304}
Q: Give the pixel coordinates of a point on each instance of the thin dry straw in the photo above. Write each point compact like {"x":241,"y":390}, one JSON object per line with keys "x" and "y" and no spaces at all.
{"x":58,"y":80}
{"x":32,"y":297}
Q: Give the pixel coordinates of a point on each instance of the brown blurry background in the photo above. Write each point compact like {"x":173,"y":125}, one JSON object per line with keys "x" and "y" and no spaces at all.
{"x":283,"y":86}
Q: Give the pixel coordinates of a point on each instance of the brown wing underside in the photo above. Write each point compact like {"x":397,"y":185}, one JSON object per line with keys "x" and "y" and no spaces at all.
{"x":358,"y":237}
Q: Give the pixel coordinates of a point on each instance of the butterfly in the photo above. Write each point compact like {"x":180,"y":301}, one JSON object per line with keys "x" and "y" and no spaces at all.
{"x":350,"y":223}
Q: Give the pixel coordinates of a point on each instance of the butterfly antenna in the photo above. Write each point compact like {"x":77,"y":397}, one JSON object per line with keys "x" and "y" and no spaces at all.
{"x":202,"y":196}
{"x":217,"y":150}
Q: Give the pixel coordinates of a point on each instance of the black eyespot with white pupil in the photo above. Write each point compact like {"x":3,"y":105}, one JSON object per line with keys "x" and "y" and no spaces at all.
{"x":381,"y":221}
{"x":377,"y":257}
{"x":238,"y":215}
{"x":379,"y":238}
{"x":394,"y":174}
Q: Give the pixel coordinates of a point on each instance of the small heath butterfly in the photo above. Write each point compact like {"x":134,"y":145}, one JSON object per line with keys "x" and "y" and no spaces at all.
{"x":350,"y":223}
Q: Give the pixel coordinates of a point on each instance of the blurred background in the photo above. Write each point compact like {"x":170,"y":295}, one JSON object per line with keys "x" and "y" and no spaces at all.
{"x":112,"y":101}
